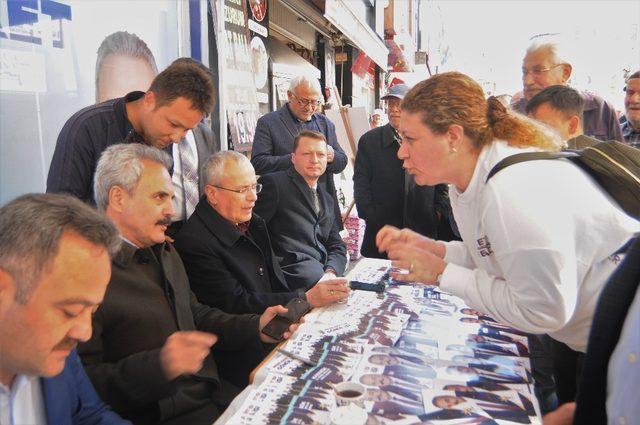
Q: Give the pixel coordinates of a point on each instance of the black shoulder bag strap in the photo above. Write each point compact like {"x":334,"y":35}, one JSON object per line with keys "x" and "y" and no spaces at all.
{"x":529,"y":156}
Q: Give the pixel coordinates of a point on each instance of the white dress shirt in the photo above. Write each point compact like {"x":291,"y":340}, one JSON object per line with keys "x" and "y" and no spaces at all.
{"x":23,"y":403}
{"x":623,"y":377}
{"x":176,"y":178}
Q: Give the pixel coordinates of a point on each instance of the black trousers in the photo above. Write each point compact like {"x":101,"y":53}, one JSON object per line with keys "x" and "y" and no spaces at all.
{"x":567,"y":367}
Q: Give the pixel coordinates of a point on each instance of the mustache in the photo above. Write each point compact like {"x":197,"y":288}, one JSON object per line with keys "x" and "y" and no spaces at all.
{"x":66,"y":344}
{"x":164,"y":222}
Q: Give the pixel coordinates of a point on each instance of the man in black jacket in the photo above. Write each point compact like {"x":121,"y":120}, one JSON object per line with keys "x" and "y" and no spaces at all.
{"x":178,"y":99}
{"x":386,"y":195}
{"x":608,"y":390}
{"x":149,"y":353}
{"x":227,"y":249}
{"x":300,"y":217}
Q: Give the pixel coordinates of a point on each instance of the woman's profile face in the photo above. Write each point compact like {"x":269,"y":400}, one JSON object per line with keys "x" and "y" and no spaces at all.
{"x":425,"y":153}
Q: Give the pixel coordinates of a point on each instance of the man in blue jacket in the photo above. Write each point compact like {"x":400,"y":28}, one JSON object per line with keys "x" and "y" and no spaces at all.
{"x":54,"y":269}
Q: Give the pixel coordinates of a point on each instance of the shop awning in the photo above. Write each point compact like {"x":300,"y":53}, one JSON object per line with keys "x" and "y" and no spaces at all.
{"x":287,"y":63}
{"x":359,"y":33}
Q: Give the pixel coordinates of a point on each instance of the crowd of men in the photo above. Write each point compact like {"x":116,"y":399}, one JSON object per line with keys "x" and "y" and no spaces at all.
{"x":138,"y":287}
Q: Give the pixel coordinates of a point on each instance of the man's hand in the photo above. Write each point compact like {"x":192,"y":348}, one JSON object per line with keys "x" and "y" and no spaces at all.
{"x":563,"y":415}
{"x":327,"y":292}
{"x":269,"y":314}
{"x":389,"y":235}
{"x":330,"y":153}
{"x":184,"y":352}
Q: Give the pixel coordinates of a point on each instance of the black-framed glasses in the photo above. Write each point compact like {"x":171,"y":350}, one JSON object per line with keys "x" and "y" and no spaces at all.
{"x":255,"y":188}
{"x":307,"y":102}
{"x":536,"y":72}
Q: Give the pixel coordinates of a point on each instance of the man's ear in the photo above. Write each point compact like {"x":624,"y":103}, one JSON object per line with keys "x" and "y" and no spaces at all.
{"x":7,"y":289}
{"x":574,"y":123}
{"x":566,"y":72}
{"x":149,"y":100}
{"x":211,"y":194}
{"x":117,"y":198}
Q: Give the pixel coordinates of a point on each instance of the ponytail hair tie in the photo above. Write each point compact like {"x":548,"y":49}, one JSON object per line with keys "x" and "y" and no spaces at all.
{"x":496,"y":111}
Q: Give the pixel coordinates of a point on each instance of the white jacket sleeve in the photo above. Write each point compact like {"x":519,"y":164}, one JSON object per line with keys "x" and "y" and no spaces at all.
{"x":528,"y":299}
{"x":532,"y":236}
{"x":456,"y":252}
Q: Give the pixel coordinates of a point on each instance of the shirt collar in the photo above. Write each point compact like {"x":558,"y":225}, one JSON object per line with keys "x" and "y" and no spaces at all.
{"x":627,"y":130}
{"x":390,"y":136}
{"x":122,"y":119}
{"x":295,"y":119}
{"x":129,"y":242}
{"x":18,"y":382}
{"x":128,"y":251}
{"x":227,"y":232}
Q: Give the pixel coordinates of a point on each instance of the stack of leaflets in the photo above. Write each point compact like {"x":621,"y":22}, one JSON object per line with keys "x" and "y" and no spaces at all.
{"x":422,"y":355}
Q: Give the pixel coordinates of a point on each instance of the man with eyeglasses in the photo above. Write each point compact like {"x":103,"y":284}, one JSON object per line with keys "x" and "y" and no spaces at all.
{"x":227,"y":250}
{"x":149,"y":355}
{"x":546,"y":65}
{"x":275,"y":131}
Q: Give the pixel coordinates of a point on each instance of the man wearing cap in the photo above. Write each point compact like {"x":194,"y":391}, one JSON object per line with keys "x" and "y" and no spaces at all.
{"x":385,"y":194}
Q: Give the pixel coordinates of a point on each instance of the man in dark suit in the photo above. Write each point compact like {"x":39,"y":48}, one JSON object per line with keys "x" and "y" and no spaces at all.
{"x":149,"y":352}
{"x":54,"y":269}
{"x":300,"y":217}
{"x":275,"y":131}
{"x":386,"y":194}
{"x":608,"y":389}
{"x":227,"y":249}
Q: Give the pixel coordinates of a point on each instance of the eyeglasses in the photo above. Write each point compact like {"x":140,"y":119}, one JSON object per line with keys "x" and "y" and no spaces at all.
{"x":538,"y":71}
{"x":307,"y":102}
{"x":255,"y":188}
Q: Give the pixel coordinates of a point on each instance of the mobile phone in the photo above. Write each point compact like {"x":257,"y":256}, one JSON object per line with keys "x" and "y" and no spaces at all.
{"x":296,"y":308}
{"x":366,"y":286}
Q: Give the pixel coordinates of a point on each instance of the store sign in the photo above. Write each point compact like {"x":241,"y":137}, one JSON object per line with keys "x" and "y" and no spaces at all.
{"x":27,"y":23}
{"x":258,"y":31}
{"x":342,"y":57}
{"x":240,"y":85}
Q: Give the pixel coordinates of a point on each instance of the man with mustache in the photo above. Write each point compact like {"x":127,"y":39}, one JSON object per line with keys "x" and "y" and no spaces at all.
{"x":546,"y":64}
{"x":300,"y":217}
{"x":149,"y":353}
{"x":385,"y":194}
{"x":54,"y":269}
